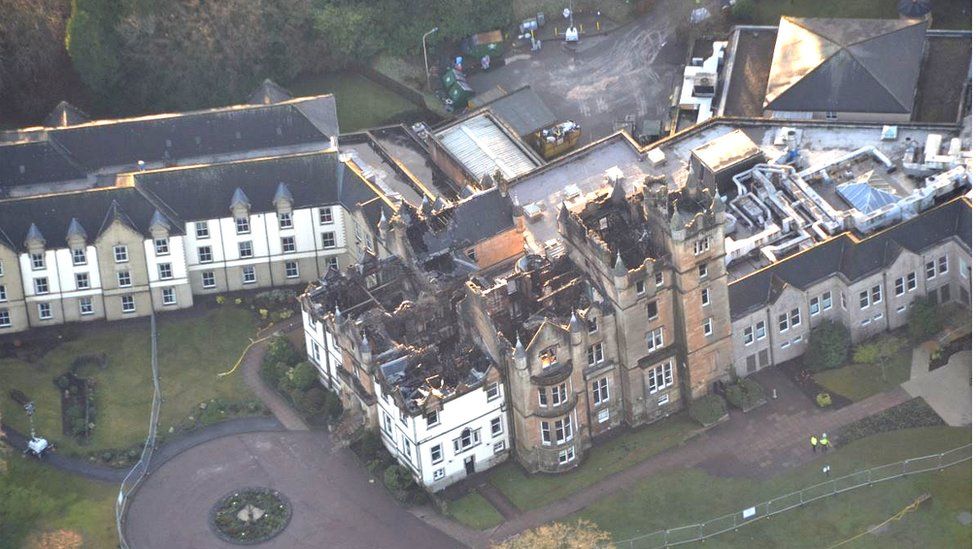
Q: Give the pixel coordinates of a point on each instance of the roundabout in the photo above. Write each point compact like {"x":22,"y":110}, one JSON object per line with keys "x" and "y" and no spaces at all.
{"x":250,"y":515}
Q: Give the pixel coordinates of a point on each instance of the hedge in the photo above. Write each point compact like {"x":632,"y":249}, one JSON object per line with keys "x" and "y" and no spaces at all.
{"x":707,"y":409}
{"x":745,"y":394}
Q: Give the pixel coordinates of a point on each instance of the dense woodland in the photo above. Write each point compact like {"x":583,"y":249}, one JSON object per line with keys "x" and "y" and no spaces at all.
{"x":117,"y":57}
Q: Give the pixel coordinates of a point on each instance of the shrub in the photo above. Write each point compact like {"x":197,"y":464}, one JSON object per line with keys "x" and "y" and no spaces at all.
{"x":272,"y":372}
{"x":333,"y":406}
{"x":707,"y":410}
{"x":744,"y":10}
{"x":313,"y":400}
{"x":824,"y":400}
{"x":829,"y":346}
{"x":62,"y":382}
{"x":221,"y":300}
{"x":397,"y":479}
{"x":923,"y":319}
{"x":745,"y":394}
{"x":867,"y":353}
{"x":280,"y":349}
{"x":303,"y":376}
{"x":907,"y":415}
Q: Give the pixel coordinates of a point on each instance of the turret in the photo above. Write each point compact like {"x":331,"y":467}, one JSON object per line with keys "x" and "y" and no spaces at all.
{"x":519,"y":356}
{"x":575,"y":329}
{"x":619,"y":272}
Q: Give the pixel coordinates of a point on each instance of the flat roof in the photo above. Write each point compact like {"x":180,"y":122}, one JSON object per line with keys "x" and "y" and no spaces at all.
{"x":727,"y":150}
{"x":484,"y":148}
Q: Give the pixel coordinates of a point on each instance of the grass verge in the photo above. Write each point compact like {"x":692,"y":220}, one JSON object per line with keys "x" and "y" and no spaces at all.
{"x":474,"y":511}
{"x":689,"y":496}
{"x":361,"y":103}
{"x":946,"y":14}
{"x":859,"y":381}
{"x":619,"y":453}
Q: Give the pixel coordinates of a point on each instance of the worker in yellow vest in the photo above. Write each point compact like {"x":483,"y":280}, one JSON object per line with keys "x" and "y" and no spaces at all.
{"x":813,"y":443}
{"x":824,"y":442}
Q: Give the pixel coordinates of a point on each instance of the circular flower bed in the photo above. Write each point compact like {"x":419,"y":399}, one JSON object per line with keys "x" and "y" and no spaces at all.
{"x":250,"y":515}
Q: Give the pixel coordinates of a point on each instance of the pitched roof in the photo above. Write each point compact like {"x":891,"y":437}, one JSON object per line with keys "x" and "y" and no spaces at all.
{"x":845,"y":65}
{"x":37,"y":162}
{"x":206,"y":192}
{"x":523,"y":110}
{"x":269,"y":92}
{"x":852,"y":258}
{"x":56,"y":215}
{"x":65,"y":114}
{"x":472,"y":220}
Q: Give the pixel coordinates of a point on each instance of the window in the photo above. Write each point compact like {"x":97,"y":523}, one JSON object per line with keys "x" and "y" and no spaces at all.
{"x":165,"y":271}
{"x":387,"y":422}
{"x":128,"y":304}
{"x":407,"y":449}
{"x":169,"y":296}
{"x":603,"y":415}
{"x":205,"y":253}
{"x":325,"y":216}
{"x":78,"y":256}
{"x":328,"y":239}
{"x":496,"y":426}
{"x":912,"y":281}
{"x":44,"y":311}
{"x":930,"y":269}
{"x":702,"y":270}
{"x":4,"y":318}
{"x":878,"y":316}
{"x":659,"y":279}
{"x":208,"y":279}
{"x":40,"y":285}
{"x":245,"y":249}
{"x":826,"y":301}
{"x":963,"y":269}
{"x":37,"y":261}
{"x":546,"y":434}
{"x":567,"y":455}
{"x":436,"y":454}
{"x":288,"y":244}
{"x":125,"y":279}
{"x":333,"y":263}
{"x":471,"y":254}
{"x":121,"y":253}
{"x":81,"y":281}
{"x":899,"y":285}
{"x":865,"y":299}
{"x":162,"y":246}
{"x":433,"y":418}
{"x":761,"y":330}
{"x":562,"y":430}
{"x":747,"y":335}
{"x":1,"y":268}
{"x":492,"y":391}
{"x":591,"y":325}
{"x":704,"y":297}
{"x":702,"y":245}
{"x":660,"y":377}
{"x":248,"y":275}
{"x":559,"y":394}
{"x":943,"y":264}
{"x":439,"y":473}
{"x":831,"y":115}
{"x":815,"y":306}
{"x":601,"y":390}
{"x":707,"y":326}
{"x":784,"y":323}
{"x":291,"y":269}
{"x":639,"y":285}
{"x":3,"y":293}
{"x":652,"y":309}
{"x":786,"y":344}
{"x":655,"y":339}
{"x":284,"y":220}
{"x":243,"y":225}
{"x":901,"y":309}
{"x":795,"y":318}
{"x":876,"y":294}
{"x":543,"y":397}
{"x":467,"y":439}
{"x":843,"y":301}
{"x":594,"y":355}
{"x":499,"y":447}
{"x":202,"y":230}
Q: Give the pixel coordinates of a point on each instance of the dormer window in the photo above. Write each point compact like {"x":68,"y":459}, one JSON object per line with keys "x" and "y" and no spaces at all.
{"x":284,"y":220}
{"x":243,"y":225}
{"x":37,"y":261}
{"x":78,"y":256}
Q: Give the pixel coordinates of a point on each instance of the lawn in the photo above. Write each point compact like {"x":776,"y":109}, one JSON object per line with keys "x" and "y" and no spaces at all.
{"x":38,"y":502}
{"x":474,"y":511}
{"x":619,"y":453}
{"x":361,"y":102}
{"x":193,"y":348}
{"x":947,"y":14}
{"x":859,"y":381}
{"x":689,"y":496}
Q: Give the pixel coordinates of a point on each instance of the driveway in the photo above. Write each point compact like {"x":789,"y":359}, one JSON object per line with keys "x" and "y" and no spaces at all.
{"x":948,"y":390}
{"x":632,"y":70}
{"x":333,"y":502}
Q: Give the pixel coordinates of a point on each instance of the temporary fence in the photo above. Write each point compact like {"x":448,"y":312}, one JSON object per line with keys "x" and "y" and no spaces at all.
{"x":141,"y":468}
{"x":732,"y":521}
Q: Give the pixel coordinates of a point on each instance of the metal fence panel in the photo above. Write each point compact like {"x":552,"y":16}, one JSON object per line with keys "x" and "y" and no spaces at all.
{"x":817,"y":491}
{"x":718,"y":525}
{"x":783,"y":503}
{"x":886,"y":472}
{"x":853,"y":480}
{"x":654,"y":540}
{"x":956,"y":455}
{"x":922,"y":464}
{"x":683,"y":534}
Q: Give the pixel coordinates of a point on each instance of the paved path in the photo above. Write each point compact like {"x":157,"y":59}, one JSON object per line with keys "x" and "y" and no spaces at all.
{"x":251,"y":368}
{"x":333,"y":501}
{"x":948,"y":389}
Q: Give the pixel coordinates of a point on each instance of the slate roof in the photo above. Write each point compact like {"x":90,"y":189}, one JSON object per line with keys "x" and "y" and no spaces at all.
{"x":37,"y":162}
{"x":851,"y":258}
{"x":845,"y":65}
{"x":65,"y":114}
{"x":269,"y":92}
{"x":523,"y":110}
{"x":167,"y":138}
{"x":206,"y":192}
{"x":54,"y":214}
{"x":472,"y":220}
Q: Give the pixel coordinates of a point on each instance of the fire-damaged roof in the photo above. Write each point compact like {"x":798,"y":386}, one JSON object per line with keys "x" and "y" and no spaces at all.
{"x":851,"y":258}
{"x":472,"y":220}
{"x":422,"y":378}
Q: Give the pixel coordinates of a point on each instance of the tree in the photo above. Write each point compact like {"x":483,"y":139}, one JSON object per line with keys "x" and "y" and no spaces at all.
{"x":93,"y":44}
{"x":557,"y":535}
{"x":830,"y":343}
{"x":744,"y":11}
{"x":924,"y":320}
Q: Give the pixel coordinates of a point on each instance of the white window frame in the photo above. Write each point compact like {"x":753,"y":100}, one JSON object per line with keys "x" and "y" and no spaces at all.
{"x":121,"y":253}
{"x":705,"y":297}
{"x":655,"y":339}
{"x":640,"y":287}
{"x":911,"y":281}
{"x":436,"y":454}
{"x":328,"y":240}
{"x":82,"y":281}
{"x":245,"y":249}
{"x":815,"y":306}
{"x":660,"y":377}
{"x":707,"y":326}
{"x":44,"y":311}
{"x":747,"y":335}
{"x":864,"y":299}
{"x":285,"y":221}
{"x":491,"y":391}
{"x":202,"y":230}
{"x":288,"y":245}
{"x":169,"y":296}
{"x":248,"y":274}
{"x":930,"y":270}
{"x":567,"y":455}
{"x":497,"y":428}
{"x":761,"y":330}
{"x":128,"y":304}
{"x":124,"y":279}
{"x":877,"y":296}
{"x":86,"y":306}
{"x":5,"y":318}
{"x":42,"y":286}
{"x":161,"y":246}
{"x":291,"y":269}
{"x":37,"y":261}
{"x":165,"y":271}
{"x":78,"y":256}
{"x":594,"y":354}
{"x":205,"y":254}
{"x":796,"y":318}
{"x":784,"y":322}
{"x":208,"y":276}
{"x":325,"y":215}
{"x":242,"y":225}
{"x":900,"y":286}
{"x":600,"y":390}
{"x":826,"y":301}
